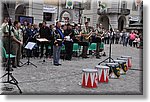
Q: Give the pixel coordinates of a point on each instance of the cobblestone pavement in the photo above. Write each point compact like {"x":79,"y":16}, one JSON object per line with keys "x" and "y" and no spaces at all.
{"x":66,"y":79}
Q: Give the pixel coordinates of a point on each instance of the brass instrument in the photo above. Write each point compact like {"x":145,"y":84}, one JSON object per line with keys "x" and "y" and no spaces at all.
{"x":77,"y":37}
{"x":89,"y":35}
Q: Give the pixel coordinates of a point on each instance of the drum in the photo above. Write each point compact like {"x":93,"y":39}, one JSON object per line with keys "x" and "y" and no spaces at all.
{"x":122,"y":65}
{"x":114,"y":71}
{"x":124,"y":59}
{"x":89,"y":78}
{"x":129,"y":60}
{"x":103,"y":73}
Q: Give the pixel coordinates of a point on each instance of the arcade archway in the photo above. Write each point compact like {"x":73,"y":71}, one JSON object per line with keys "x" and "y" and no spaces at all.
{"x":121,"y":23}
{"x":20,"y":10}
{"x":104,"y":20}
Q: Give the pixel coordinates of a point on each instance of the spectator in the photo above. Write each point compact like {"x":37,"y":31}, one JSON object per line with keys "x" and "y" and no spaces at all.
{"x":131,"y":37}
{"x":136,"y":42}
{"x":117,"y":36}
{"x":125,"y":38}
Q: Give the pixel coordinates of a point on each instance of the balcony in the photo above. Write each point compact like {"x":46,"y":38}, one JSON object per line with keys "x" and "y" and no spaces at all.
{"x":109,"y":11}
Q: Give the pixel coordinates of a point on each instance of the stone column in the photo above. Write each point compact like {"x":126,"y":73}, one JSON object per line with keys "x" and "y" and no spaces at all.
{"x":113,"y":20}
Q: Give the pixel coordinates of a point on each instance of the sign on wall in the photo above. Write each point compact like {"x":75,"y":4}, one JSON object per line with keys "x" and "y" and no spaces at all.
{"x":49,"y":9}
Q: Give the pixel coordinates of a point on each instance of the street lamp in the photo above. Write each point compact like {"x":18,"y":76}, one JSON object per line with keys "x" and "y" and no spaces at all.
{"x":80,"y":8}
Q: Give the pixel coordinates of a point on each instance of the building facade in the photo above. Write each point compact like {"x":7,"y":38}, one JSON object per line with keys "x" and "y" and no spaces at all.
{"x":39,"y":9}
{"x":116,"y":13}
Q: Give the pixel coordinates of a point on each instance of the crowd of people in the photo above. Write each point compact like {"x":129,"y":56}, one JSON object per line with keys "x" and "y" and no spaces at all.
{"x":133,"y":38}
{"x":59,"y":35}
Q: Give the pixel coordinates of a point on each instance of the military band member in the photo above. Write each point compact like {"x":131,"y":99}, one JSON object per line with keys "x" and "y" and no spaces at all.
{"x":85,"y":33}
{"x":57,"y":43}
{"x":17,"y":41}
{"x":69,"y":35}
{"x":44,"y":32}
{"x":5,"y":37}
{"x":5,"y":34}
{"x":99,"y":34}
{"x":77,"y":34}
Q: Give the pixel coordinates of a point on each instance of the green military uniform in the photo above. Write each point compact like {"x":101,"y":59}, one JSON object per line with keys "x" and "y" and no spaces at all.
{"x":76,"y":32}
{"x":98,"y":36}
{"x":85,"y":48}
{"x":77,"y":36}
{"x":16,"y":47}
{"x":86,"y":31}
{"x":5,"y":36}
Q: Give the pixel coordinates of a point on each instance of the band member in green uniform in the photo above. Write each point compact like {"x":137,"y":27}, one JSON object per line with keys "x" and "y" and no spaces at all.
{"x":77,"y":34}
{"x":5,"y":34}
{"x":99,"y":33}
{"x":85,"y":33}
{"x":17,"y":41}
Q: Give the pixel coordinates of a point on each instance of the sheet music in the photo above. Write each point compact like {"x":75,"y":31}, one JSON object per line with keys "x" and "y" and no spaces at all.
{"x":30,"y":45}
{"x":42,"y":40}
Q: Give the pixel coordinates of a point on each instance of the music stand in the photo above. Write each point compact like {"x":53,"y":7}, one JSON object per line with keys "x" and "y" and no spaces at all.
{"x":42,"y":40}
{"x":29,"y":47}
{"x":109,"y":58}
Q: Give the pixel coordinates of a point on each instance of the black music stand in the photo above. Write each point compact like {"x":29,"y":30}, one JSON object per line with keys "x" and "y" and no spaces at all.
{"x":110,"y":59}
{"x":10,"y":78}
{"x":43,"y":40}
{"x":29,"y":47}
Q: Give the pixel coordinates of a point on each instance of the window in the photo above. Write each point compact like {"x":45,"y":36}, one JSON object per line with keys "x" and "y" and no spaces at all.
{"x":47,"y":16}
{"x":134,"y":7}
{"x":88,"y":5}
{"x":124,"y":5}
{"x":88,"y":19}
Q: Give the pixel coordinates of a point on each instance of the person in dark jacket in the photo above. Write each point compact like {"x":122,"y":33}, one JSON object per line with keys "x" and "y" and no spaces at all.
{"x":44,"y":32}
{"x":69,"y":32}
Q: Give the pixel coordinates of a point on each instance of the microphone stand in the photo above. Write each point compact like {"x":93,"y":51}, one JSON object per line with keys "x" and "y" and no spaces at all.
{"x":10,"y":77}
{"x":110,"y":59}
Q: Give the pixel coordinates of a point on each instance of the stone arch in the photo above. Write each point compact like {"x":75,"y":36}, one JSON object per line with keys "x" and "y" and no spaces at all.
{"x":70,"y":14}
{"x":5,"y":11}
{"x":104,"y":20}
{"x":20,"y":10}
{"x":121,"y":23}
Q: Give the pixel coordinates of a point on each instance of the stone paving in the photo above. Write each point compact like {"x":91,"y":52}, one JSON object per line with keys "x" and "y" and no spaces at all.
{"x":66,"y":79}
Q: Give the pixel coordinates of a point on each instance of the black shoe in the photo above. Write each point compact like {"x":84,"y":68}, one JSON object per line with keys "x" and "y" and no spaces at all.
{"x":56,"y":64}
{"x":104,"y":54}
{"x":98,"y":57}
{"x":85,"y":57}
{"x":68,"y":59}
{"x":14,"y":66}
{"x":19,"y":66}
{"x":59,"y":64}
